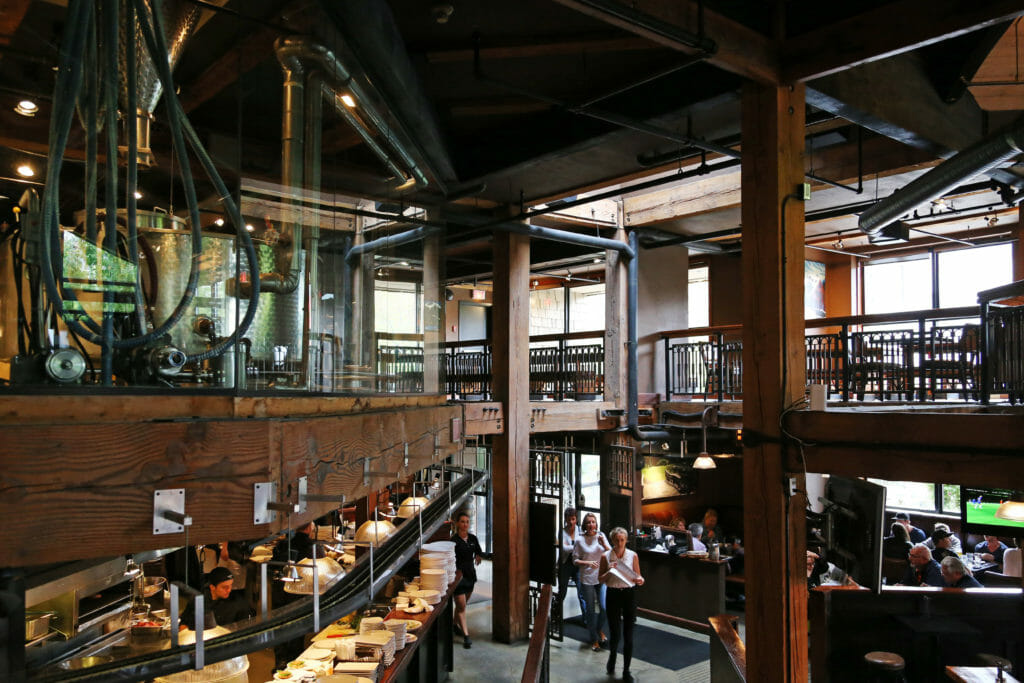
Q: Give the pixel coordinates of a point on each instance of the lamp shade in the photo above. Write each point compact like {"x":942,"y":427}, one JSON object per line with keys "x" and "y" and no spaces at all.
{"x":327,"y":572}
{"x":704,"y":462}
{"x":374,"y":532}
{"x":411,"y":507}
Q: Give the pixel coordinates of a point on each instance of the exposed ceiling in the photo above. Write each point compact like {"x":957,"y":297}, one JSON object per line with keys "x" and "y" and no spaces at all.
{"x":511,"y":104}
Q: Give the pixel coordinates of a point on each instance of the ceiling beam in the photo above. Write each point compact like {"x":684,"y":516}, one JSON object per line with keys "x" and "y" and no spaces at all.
{"x":244,"y":56}
{"x":895,"y":98}
{"x":567,"y":46}
{"x":874,"y":34}
{"x":740,"y":50}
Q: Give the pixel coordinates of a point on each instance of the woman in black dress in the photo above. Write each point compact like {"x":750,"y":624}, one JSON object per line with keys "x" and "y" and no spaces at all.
{"x":468,"y":554}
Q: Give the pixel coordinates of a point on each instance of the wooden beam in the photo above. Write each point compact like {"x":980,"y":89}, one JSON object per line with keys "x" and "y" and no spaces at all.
{"x":243,"y":57}
{"x":83,"y":490}
{"x":895,"y":98}
{"x":510,"y":475}
{"x":740,"y":50}
{"x":866,"y":37}
{"x":12,"y":12}
{"x":702,"y":196}
{"x":551,"y":48}
{"x":615,"y":298}
{"x":996,"y":85}
{"x":773,"y":378}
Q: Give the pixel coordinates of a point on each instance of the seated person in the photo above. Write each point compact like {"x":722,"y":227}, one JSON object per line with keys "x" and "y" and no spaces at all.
{"x":712,"y":533}
{"x":942,"y":545}
{"x":991,"y":549}
{"x":955,"y":574}
{"x":953,"y":539}
{"x":897,"y":545}
{"x":923,"y":570}
{"x":694,"y":533}
{"x":219,"y":602}
{"x":1011,"y":560}
{"x":821,"y":572}
{"x":916,"y":535}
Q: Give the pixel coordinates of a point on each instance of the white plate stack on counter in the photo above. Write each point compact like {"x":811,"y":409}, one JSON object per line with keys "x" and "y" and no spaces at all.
{"x":382,"y":639}
{"x":367,"y":624}
{"x":437,"y":565}
{"x":367,"y":670}
{"x":397,"y":626}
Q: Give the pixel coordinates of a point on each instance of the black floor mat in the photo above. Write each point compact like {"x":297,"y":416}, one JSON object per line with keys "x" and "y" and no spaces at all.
{"x":651,"y":645}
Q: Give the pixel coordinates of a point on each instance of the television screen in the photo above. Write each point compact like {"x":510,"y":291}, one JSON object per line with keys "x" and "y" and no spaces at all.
{"x":984,"y":511}
{"x":855,"y":510}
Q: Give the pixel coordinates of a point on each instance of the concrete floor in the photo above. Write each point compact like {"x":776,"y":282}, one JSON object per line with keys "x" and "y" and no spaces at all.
{"x":571,"y":660}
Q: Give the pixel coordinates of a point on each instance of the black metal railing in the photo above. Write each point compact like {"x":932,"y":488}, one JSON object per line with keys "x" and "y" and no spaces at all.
{"x":921,"y":355}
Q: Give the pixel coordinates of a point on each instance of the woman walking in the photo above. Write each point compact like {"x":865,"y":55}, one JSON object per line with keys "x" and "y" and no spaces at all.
{"x":586,"y":554}
{"x":468,"y":554}
{"x":620,"y":572}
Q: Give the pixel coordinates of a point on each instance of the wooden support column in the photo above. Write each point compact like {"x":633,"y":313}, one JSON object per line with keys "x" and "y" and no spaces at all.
{"x":773,"y":378}
{"x":511,"y":461}
{"x":615,"y":323}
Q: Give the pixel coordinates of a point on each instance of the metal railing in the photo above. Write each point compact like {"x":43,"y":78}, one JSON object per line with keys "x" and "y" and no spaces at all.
{"x":919,"y":355}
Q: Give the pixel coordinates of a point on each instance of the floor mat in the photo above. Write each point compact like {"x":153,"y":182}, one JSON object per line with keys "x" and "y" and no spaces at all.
{"x":653,"y":646}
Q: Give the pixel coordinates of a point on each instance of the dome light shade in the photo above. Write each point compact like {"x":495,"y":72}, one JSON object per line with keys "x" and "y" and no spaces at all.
{"x":704,"y":462}
{"x":374,"y":533}
{"x":411,"y":506}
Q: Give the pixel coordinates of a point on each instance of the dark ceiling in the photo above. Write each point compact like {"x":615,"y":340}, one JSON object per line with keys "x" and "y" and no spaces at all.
{"x":497,"y":102}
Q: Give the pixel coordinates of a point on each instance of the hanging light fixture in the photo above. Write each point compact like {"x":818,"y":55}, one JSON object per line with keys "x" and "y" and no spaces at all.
{"x":291,"y":576}
{"x":704,"y":461}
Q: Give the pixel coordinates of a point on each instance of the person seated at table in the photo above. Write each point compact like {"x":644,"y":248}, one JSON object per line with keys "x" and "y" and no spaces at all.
{"x":991,"y":549}
{"x":956,"y":575}
{"x":941,"y":544}
{"x":821,"y":572}
{"x":712,"y":533}
{"x":693,"y":533}
{"x":953,"y":539}
{"x":897,"y":545}
{"x":916,"y":535}
{"x":923,"y":570}
{"x":1011,"y":560}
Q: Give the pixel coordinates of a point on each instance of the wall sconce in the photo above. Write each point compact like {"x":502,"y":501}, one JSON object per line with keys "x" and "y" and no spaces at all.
{"x":704,"y":461}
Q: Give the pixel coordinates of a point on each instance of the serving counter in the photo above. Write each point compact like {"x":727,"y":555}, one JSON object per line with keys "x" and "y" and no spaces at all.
{"x":690,"y":588}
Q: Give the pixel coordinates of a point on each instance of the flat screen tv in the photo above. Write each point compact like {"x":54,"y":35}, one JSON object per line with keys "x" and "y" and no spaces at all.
{"x":984,"y":511}
{"x":855,"y":514}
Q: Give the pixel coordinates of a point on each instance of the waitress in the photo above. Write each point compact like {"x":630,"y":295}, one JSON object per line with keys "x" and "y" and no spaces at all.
{"x":620,"y":572}
{"x":586,"y":554}
{"x":468,"y":554}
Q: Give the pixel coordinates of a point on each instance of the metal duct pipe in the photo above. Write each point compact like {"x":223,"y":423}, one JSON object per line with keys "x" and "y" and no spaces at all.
{"x":407,"y":237}
{"x":978,"y":158}
{"x":338,"y":79}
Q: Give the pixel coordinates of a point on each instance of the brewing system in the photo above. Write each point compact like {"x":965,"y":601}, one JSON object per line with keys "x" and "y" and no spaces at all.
{"x":252,"y":291}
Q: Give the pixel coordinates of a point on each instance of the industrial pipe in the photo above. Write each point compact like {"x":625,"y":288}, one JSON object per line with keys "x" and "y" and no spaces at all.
{"x":978,"y":158}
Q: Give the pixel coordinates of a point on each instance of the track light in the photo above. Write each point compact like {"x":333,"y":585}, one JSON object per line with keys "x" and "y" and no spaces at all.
{"x":348,"y":100}
{"x":27,"y":108}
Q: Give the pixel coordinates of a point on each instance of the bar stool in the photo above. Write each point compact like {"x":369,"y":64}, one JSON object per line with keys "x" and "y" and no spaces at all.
{"x":987,"y":659}
{"x":884,"y":667}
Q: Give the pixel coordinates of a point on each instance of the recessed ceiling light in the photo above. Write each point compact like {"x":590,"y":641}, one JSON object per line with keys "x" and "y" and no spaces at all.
{"x":25,"y":171}
{"x":248,"y":226}
{"x":348,"y":100}
{"x":219,"y":222}
{"x":138,"y":195}
{"x":27,"y":108}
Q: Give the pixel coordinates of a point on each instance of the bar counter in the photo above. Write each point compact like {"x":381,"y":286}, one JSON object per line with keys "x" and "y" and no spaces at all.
{"x":690,"y":588}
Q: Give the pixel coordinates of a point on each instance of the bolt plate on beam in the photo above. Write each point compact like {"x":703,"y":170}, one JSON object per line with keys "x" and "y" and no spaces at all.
{"x":168,"y":500}
{"x":263,"y":493}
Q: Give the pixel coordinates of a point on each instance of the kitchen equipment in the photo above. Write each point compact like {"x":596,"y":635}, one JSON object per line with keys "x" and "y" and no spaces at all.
{"x":37,"y":624}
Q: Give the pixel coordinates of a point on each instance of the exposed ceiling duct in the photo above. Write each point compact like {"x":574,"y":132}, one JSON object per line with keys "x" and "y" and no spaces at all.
{"x":983,"y":156}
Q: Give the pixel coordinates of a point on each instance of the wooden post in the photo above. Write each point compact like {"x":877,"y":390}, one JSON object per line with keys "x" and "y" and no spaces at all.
{"x":773,"y":378}
{"x":615,"y":324}
{"x":511,"y":465}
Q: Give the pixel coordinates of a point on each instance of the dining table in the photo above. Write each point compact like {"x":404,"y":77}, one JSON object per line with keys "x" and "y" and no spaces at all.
{"x":978,"y":674}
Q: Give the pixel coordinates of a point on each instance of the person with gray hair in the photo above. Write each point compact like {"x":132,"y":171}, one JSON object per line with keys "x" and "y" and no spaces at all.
{"x":923,"y":570}
{"x":956,"y":575}
{"x":694,"y":531}
{"x":954,"y":541}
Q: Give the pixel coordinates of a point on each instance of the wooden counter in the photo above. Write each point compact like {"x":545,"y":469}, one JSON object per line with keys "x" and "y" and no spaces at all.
{"x":680,"y":587}
{"x":431,"y":657}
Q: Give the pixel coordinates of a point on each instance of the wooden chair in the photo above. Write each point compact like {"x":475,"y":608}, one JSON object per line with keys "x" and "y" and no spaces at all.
{"x":893,"y":570}
{"x":950,"y":360}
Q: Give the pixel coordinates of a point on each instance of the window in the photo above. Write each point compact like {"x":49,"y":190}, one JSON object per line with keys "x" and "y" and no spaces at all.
{"x":898,"y":286}
{"x":698,"y":299}
{"x":965,"y":272}
{"x":547,"y":311}
{"x":586,"y":308}
{"x":917,"y":495}
{"x":396,"y":307}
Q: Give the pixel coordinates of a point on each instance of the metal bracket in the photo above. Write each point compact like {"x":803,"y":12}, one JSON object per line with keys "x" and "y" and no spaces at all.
{"x":456,"y":429}
{"x":263,"y":493}
{"x":367,"y":472}
{"x":169,"y":511}
{"x":611,"y":412}
{"x":303,"y":494}
{"x":405,"y":459}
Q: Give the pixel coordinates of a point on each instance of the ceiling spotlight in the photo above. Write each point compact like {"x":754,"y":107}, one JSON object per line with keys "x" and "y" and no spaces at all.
{"x":348,"y":100}
{"x":248,"y":226}
{"x":25,"y":171}
{"x":404,"y":263}
{"x":939,"y":203}
{"x":219,"y":222}
{"x":138,"y":195}
{"x":27,"y":108}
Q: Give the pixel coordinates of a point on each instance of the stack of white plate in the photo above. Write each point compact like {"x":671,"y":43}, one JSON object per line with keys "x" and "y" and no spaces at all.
{"x":397,"y":626}
{"x":431,"y":597}
{"x":367,"y":624}
{"x":437,"y":555}
{"x":367,"y":669}
{"x":434,"y":579}
{"x":383,"y":640}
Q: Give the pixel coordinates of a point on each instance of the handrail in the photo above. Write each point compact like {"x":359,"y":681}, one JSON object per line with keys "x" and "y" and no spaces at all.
{"x":537,"y":654}
{"x":1013,"y":289}
{"x":727,"y":649}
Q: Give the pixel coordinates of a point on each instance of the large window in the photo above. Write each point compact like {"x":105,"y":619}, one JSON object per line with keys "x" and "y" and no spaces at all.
{"x":965,"y":272}
{"x":396,"y":307}
{"x":917,"y":495}
{"x":586,"y":308}
{"x":898,"y":286}
{"x":698,"y":298}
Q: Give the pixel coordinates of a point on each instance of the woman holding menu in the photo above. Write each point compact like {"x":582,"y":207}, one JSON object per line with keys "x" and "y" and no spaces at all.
{"x":620,"y":572}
